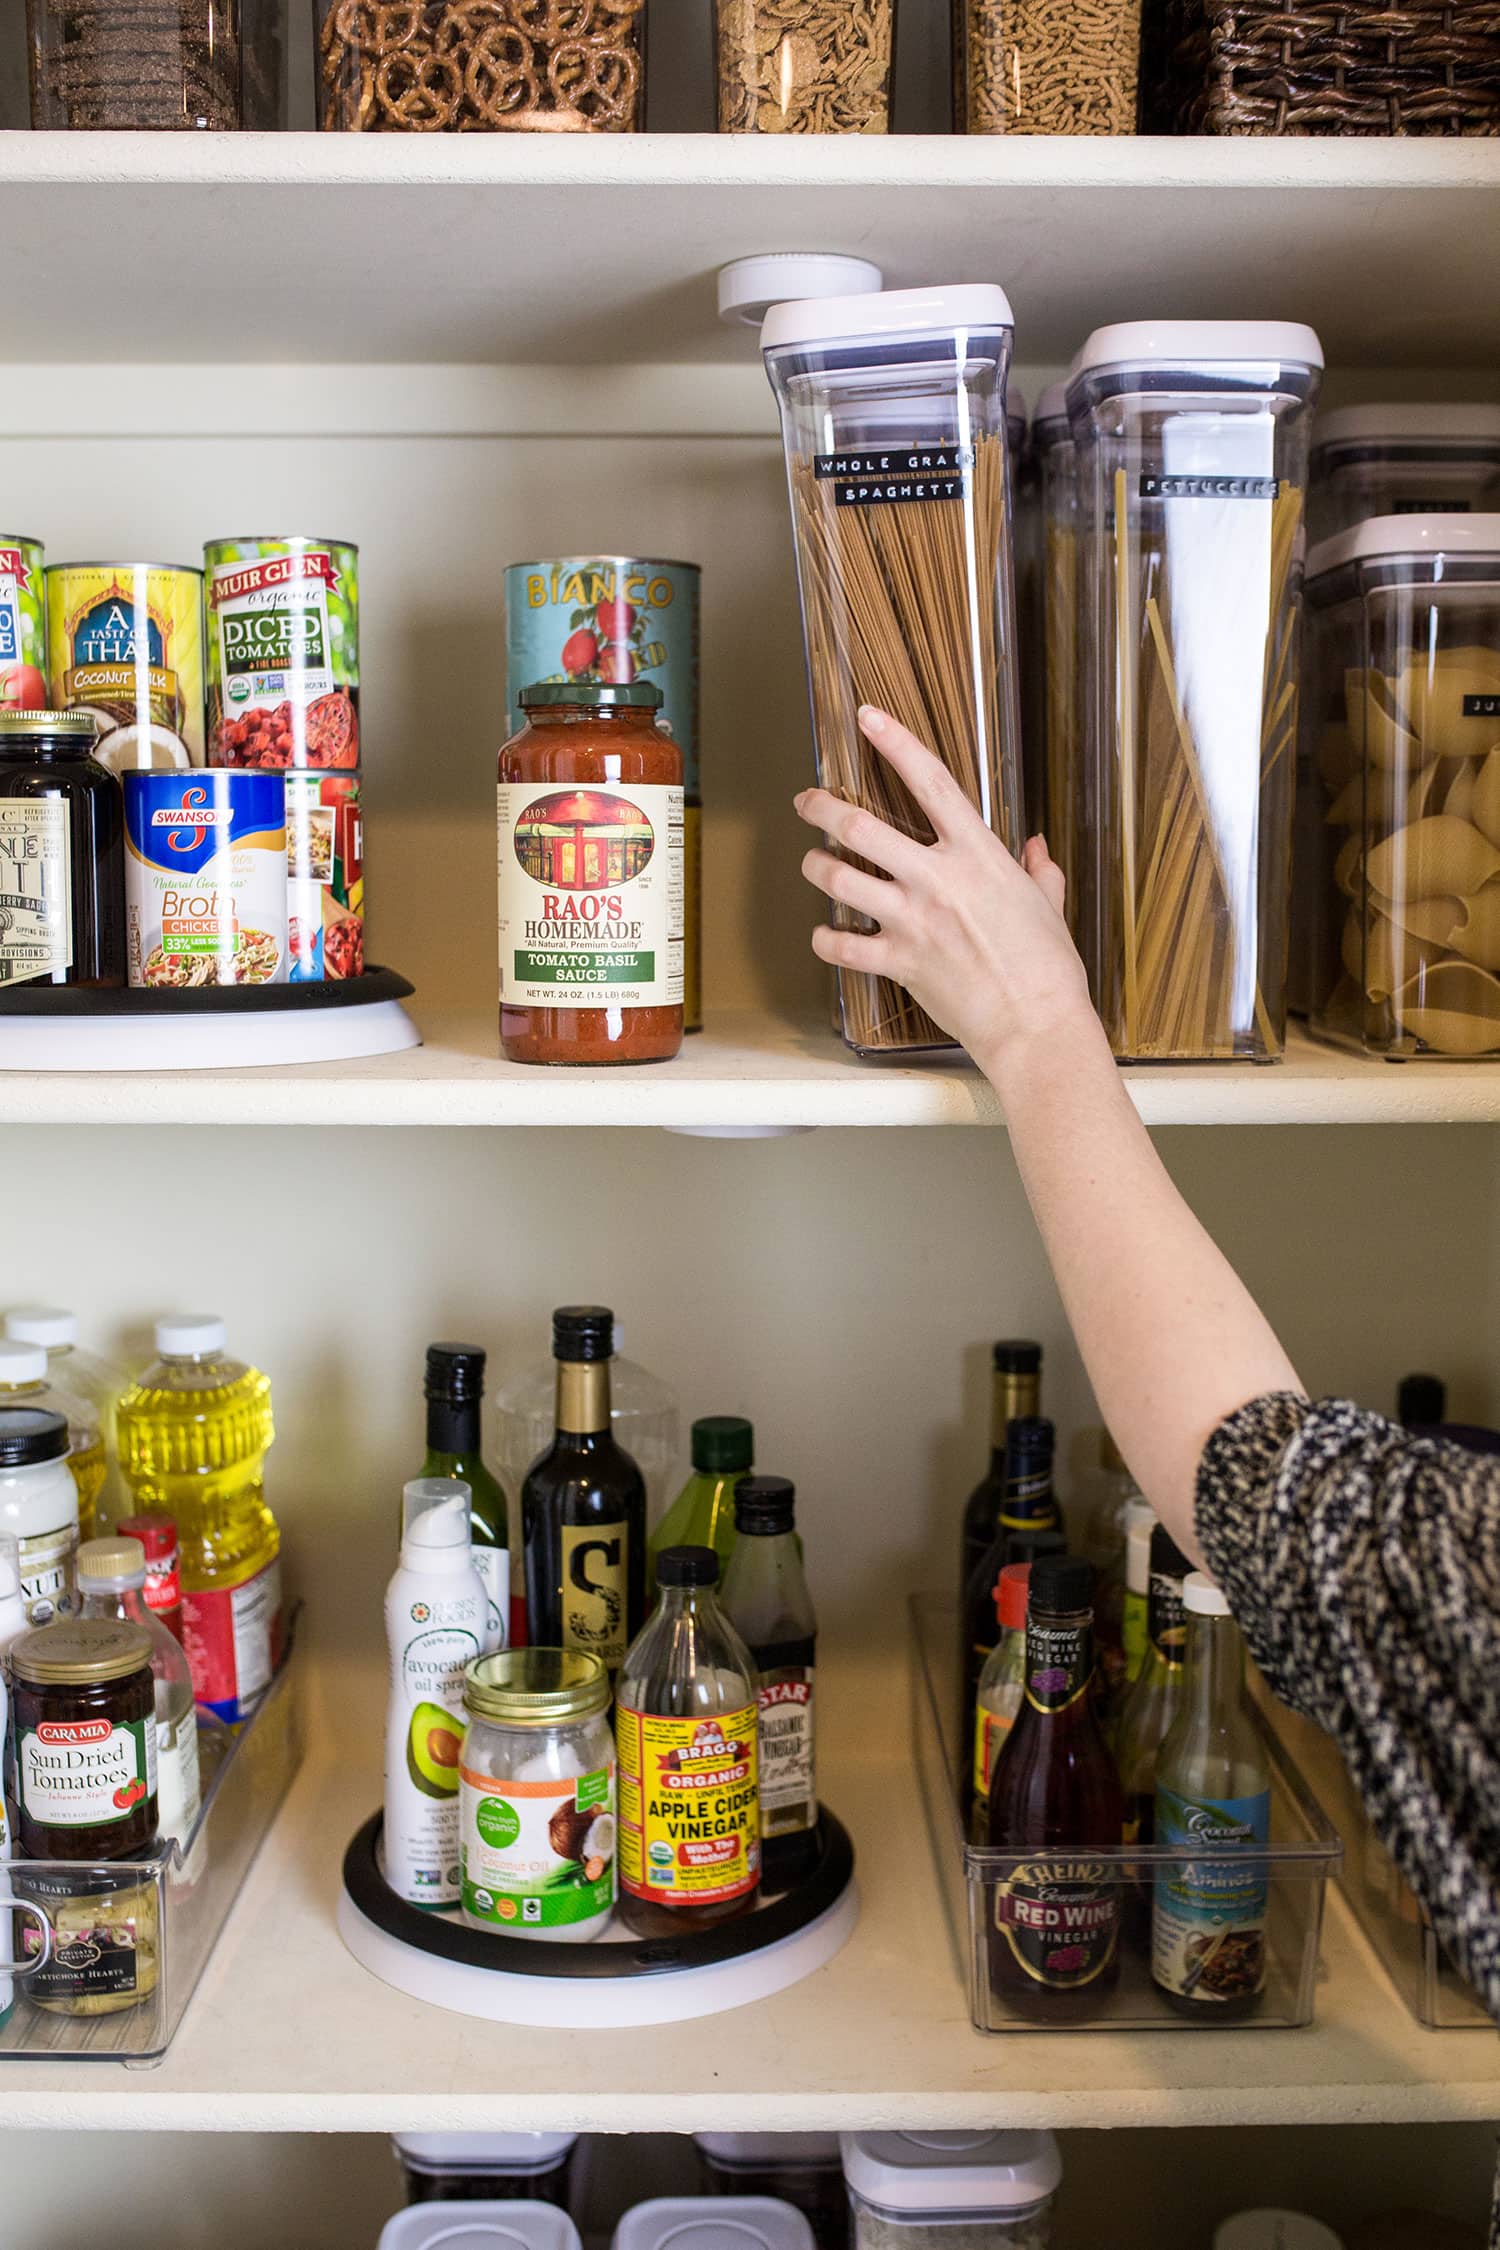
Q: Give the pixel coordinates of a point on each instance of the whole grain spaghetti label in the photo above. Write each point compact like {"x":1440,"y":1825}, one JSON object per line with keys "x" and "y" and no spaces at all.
{"x":591,"y":895}
{"x":884,"y":476}
{"x":689,"y":1806}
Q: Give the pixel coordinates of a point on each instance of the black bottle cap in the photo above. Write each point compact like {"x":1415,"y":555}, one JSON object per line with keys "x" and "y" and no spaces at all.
{"x":29,"y":1434}
{"x":1167,"y":1558}
{"x":583,"y":1332}
{"x":723,"y":1443}
{"x":1421,"y":1400}
{"x":687,"y":1566}
{"x":1031,"y":1546}
{"x":764,"y":1505}
{"x":1061,"y":1585}
{"x":455,"y":1372}
{"x":1017,"y":1355}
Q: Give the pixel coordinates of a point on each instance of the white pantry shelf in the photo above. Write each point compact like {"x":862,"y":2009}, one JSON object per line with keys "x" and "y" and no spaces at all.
{"x":288,"y":2033}
{"x":747,"y":1073}
{"x":535,"y":250}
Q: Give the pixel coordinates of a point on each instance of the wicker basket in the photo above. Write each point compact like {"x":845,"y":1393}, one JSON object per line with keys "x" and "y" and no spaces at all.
{"x":1328,"y":66}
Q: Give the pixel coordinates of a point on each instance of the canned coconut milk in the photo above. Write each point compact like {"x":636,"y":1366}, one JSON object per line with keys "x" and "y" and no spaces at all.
{"x":282,"y":620}
{"x":205,"y":879}
{"x":618,"y":618}
{"x":125,"y":640}
{"x":23,"y":624}
{"x":325,"y":866}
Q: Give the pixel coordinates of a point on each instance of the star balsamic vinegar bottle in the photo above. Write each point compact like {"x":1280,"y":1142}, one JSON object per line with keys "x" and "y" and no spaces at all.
{"x":583,"y":1507}
{"x":1054,"y":1934}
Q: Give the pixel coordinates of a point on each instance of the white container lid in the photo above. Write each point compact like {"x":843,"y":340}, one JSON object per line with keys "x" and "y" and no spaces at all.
{"x":713,"y":2222}
{"x":889,"y":313}
{"x":1193,"y":343}
{"x":1388,"y":538}
{"x":1140,"y":1522}
{"x":1404,"y":425}
{"x":47,"y":1325}
{"x":748,"y":287}
{"x":1274,"y":2230}
{"x":480,"y":2226}
{"x":914,"y":2175}
{"x":1202,"y":1598}
{"x":483,"y":2152}
{"x":22,"y":1363}
{"x":769,"y":2148}
{"x":191,"y":1335}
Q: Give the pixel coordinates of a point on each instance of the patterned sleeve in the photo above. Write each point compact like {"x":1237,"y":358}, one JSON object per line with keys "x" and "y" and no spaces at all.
{"x":1363,"y":1564}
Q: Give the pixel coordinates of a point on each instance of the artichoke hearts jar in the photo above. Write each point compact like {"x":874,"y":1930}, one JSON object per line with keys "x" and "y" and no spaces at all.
{"x":537,"y":1795}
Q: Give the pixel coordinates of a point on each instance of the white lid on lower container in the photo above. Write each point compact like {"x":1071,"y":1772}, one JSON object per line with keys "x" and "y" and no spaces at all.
{"x":1197,"y":343}
{"x":1389,"y":538}
{"x":1395,"y":424}
{"x":886,"y":313}
{"x":918,"y":2175}
{"x":1274,"y":2230}
{"x":480,"y":2226}
{"x":483,"y":2152}
{"x":769,"y":2148}
{"x":713,"y":2222}
{"x":748,"y":287}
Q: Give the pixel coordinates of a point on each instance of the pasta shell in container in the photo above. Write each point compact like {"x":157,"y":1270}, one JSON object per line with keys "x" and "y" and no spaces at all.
{"x":893,"y":416}
{"x":1404,"y":641}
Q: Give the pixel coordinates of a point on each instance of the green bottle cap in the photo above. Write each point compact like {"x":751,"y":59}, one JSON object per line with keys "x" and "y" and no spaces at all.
{"x":723,"y":1444}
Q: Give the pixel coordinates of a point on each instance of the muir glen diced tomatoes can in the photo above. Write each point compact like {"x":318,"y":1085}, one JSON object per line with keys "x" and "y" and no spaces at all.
{"x":282,"y":634}
{"x":618,"y":618}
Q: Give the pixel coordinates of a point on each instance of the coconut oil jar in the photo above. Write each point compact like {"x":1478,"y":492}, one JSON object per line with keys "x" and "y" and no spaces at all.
{"x":537,"y":1795}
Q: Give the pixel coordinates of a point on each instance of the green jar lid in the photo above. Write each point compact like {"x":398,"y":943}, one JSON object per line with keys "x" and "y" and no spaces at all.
{"x":723,"y":1443}
{"x":601,"y":695}
{"x":536,"y":1687}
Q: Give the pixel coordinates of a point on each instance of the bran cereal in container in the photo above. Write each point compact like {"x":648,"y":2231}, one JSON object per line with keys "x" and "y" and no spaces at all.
{"x":205,"y":879}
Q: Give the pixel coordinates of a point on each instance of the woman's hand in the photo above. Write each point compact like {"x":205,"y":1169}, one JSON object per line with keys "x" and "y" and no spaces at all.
{"x":979,"y":941}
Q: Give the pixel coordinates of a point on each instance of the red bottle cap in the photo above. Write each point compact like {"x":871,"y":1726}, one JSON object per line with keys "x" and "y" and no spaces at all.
{"x":1010,"y":1596}
{"x":156,"y":1533}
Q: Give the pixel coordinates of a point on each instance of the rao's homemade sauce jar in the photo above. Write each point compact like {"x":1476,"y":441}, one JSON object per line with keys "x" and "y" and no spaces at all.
{"x":590,"y":813}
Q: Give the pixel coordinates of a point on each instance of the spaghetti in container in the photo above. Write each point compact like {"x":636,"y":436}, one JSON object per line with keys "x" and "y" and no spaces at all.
{"x":1192,"y":442}
{"x":893,"y":416}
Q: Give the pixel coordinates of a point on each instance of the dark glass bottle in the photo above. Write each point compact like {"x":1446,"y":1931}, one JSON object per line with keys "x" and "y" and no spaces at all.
{"x":1028,"y":1509}
{"x":62,"y":854}
{"x":1017,"y":1390}
{"x":583,"y":1506}
{"x":1151,"y":1705}
{"x":454,"y":1390}
{"x":1421,"y":1401}
{"x":1055,"y":1932}
{"x":766,"y":1600}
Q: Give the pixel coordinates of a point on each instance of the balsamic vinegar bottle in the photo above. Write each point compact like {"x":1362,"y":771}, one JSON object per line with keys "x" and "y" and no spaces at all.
{"x":1017,"y":1391}
{"x":765,"y":1598}
{"x":583,"y":1507}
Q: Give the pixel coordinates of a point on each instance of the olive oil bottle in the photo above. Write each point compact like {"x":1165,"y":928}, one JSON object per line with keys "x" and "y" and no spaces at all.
{"x":454,"y":1390}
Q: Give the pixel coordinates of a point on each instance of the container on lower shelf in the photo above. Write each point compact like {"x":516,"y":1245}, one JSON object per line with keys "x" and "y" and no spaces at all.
{"x":803,"y":2169}
{"x":713,"y":2222}
{"x":487,"y":2167}
{"x":480,"y":2226}
{"x":980,"y":1886}
{"x":137,"y":1933}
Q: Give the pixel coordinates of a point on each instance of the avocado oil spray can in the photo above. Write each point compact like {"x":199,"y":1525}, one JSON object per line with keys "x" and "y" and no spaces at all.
{"x":436,"y":1623}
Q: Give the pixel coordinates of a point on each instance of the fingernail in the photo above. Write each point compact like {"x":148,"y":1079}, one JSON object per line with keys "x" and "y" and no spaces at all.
{"x":869,"y":716}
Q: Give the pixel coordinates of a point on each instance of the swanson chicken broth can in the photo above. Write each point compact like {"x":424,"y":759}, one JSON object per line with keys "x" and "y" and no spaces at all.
{"x":125,"y":640}
{"x":325,"y":863}
{"x":205,"y":879}
{"x":23,"y":624}
{"x":282,"y":623}
{"x":619,"y":618}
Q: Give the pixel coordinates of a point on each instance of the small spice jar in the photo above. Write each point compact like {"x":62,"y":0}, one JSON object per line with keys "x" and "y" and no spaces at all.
{"x":537,"y":1795}
{"x":62,"y":854}
{"x":590,"y":809}
{"x":804,"y":66}
{"x":463,"y":66}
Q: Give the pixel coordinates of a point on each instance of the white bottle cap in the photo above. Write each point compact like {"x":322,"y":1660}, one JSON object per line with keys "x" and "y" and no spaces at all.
{"x":47,"y":1325}
{"x":22,"y":1363}
{"x":1140,"y":1522}
{"x":435,"y":1517}
{"x":748,"y":287}
{"x":190,"y":1335}
{"x":1202,"y":1598}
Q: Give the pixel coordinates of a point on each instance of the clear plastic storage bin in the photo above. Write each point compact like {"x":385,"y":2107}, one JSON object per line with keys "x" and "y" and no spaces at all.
{"x":1192,"y":463}
{"x":893,"y":415}
{"x":942,"y":2191}
{"x":975,"y":1879}
{"x":487,"y":2167}
{"x":713,"y":2222}
{"x":480,"y":2226}
{"x":140,"y":1931}
{"x":1040,"y":66}
{"x":803,"y":2169}
{"x":1402,"y":461}
{"x":804,"y":66}
{"x":1400,"y":763}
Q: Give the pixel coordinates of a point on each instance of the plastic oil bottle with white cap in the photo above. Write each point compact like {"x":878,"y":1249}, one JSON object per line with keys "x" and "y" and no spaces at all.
{"x":85,"y":1390}
{"x":436,"y":1623}
{"x":194,"y":1431}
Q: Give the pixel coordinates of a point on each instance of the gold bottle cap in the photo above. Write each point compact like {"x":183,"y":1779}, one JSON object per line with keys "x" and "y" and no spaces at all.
{"x":109,"y":1559}
{"x":81,"y":1651}
{"x":536,"y":1687}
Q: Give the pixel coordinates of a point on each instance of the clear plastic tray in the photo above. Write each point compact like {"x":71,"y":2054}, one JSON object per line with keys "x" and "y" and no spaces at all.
{"x":172,"y":1905}
{"x":1303,"y":1853}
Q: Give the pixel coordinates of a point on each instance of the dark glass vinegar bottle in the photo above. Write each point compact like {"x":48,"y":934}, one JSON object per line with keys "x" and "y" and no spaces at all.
{"x":1054,"y":1932}
{"x":583,"y":1506}
{"x":1028,"y":1510}
{"x":1017,"y":1391}
{"x":765,"y":1598}
{"x":454,"y":1390}
{"x":62,"y":854}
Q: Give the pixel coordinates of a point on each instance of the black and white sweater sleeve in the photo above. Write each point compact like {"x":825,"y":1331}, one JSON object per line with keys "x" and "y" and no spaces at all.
{"x":1363,"y":1564}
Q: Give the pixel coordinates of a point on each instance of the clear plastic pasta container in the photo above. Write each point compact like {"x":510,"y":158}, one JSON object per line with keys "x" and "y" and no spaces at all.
{"x":804,"y":66}
{"x":1400,"y":767}
{"x":1402,"y":461}
{"x":1192,"y":444}
{"x":951,"y":2191}
{"x":979,"y":1883}
{"x":1039,"y":66}
{"x":449,"y":66}
{"x":1057,"y":814}
{"x":893,"y":416}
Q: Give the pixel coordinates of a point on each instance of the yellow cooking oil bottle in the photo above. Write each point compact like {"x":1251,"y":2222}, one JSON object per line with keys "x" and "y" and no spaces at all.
{"x":194,"y":1432}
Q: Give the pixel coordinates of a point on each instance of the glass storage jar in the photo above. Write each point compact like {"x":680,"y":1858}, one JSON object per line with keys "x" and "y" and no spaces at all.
{"x":166,"y":65}
{"x":1402,"y":461}
{"x":1401,"y":749}
{"x":804,"y":66}
{"x":62,"y":854}
{"x":1045,"y":66}
{"x":894,"y":423}
{"x":475,"y":66}
{"x":1191,"y":466}
{"x":951,"y":2191}
{"x":537,"y":1795}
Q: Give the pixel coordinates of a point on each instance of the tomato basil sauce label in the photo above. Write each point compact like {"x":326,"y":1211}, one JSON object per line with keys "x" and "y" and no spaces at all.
{"x":591,"y":895}
{"x":283,"y":653}
{"x":689,"y":1806}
